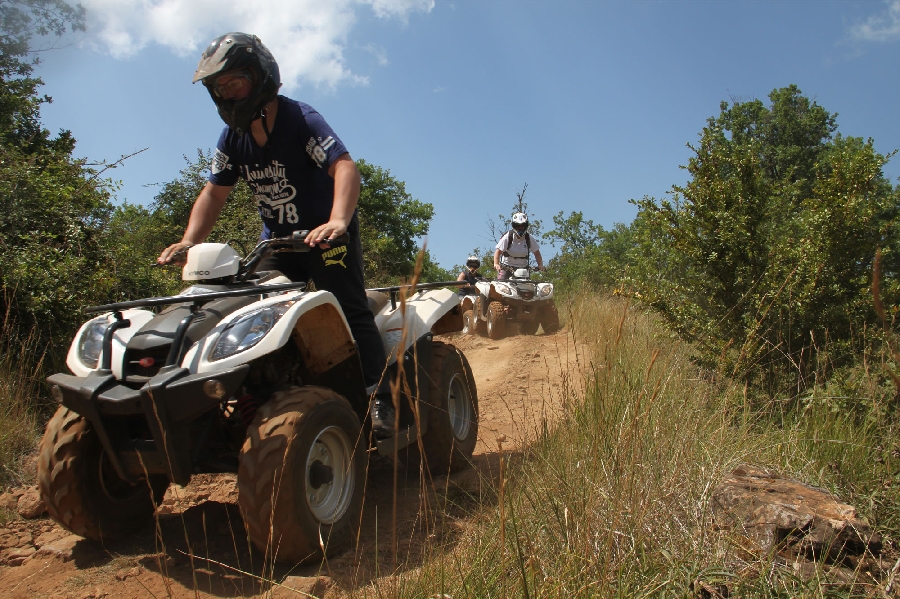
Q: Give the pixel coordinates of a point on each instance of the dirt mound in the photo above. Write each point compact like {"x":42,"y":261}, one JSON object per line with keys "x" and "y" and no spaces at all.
{"x":199,"y":548}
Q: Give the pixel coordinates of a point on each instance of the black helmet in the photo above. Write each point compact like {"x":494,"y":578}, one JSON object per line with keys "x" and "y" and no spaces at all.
{"x":236,"y":51}
{"x":473,"y":262}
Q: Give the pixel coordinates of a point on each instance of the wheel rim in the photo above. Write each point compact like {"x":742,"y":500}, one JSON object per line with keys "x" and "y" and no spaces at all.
{"x":459,"y":408}
{"x":329,"y":475}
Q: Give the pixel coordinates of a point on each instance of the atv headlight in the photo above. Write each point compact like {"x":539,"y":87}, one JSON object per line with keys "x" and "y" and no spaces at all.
{"x":503,"y":288}
{"x":546,"y":289}
{"x":90,"y":346}
{"x":247,"y":331}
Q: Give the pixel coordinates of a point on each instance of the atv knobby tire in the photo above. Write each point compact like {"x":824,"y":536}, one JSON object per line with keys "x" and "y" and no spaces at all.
{"x":449,"y":441}
{"x":468,"y":322}
{"x":80,"y":487}
{"x":496,"y":320}
{"x":480,"y":316}
{"x":529,"y":327}
{"x":549,"y":318}
{"x":301,"y":475}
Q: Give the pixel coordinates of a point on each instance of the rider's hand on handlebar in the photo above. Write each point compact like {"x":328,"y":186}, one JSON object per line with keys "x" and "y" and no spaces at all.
{"x":330,"y":230}
{"x":175,"y":254}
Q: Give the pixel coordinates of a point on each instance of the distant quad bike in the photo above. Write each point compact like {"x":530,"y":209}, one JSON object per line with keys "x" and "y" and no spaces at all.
{"x":517,"y":300}
{"x":247,"y":372}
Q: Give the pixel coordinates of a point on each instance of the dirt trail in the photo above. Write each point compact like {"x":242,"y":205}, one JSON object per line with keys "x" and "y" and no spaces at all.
{"x":520,"y":385}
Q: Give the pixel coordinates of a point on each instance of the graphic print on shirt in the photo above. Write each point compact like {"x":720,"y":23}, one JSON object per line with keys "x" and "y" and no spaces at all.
{"x":318,"y":149}
{"x":220,"y":162}
{"x":272,"y":191}
{"x":329,"y":256}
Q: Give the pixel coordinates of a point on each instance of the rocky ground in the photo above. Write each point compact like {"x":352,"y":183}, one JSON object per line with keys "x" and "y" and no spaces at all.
{"x":198,"y":548}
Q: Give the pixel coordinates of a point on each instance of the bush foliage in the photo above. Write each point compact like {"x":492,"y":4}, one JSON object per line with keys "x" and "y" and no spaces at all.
{"x":764,"y":257}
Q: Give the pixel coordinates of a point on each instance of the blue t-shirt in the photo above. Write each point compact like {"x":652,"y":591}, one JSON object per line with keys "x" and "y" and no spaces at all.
{"x":289,"y":175}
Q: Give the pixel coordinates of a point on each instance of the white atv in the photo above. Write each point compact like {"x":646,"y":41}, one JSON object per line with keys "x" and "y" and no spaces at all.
{"x":247,"y":372}
{"x":515,"y":300}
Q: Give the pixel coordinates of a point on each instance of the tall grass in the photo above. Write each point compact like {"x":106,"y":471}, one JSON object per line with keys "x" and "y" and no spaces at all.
{"x":20,"y":389}
{"x":613,"y":501}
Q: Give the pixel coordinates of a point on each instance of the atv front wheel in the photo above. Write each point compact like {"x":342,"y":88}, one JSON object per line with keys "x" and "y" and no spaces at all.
{"x":480,"y":316}
{"x":496,"y":320}
{"x":468,"y":322}
{"x":549,"y":318}
{"x":82,"y":490}
{"x":301,"y":475}
{"x":452,"y":431}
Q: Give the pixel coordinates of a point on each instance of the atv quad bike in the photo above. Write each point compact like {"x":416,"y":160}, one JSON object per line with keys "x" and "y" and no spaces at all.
{"x":250,"y":373}
{"x":517,"y":300}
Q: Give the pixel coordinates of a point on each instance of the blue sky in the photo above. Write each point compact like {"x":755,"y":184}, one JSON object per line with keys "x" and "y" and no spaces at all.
{"x":591,"y":103}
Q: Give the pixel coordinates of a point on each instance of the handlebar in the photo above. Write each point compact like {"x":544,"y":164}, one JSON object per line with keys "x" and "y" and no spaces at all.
{"x":301,"y":235}
{"x":290,"y":243}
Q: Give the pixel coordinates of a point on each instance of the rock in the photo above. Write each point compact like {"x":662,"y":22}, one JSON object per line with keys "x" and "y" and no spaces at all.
{"x":17,"y":555}
{"x":9,"y":502}
{"x":9,"y":539}
{"x":132,"y":572}
{"x":783,"y":515}
{"x":49,"y":537}
{"x":303,"y":586}
{"x":30,"y":504}
{"x":61,"y":548}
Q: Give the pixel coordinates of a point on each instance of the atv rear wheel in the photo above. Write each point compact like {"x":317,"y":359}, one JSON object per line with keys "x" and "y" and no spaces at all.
{"x":468,"y":322}
{"x":549,"y":318}
{"x":449,"y":441}
{"x":82,"y":490}
{"x":301,"y":474}
{"x":496,"y":320}
{"x":529,"y":327}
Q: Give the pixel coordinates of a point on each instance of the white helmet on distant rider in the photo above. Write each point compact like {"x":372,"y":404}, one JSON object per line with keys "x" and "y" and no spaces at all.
{"x":519,"y":223}
{"x":473,"y":262}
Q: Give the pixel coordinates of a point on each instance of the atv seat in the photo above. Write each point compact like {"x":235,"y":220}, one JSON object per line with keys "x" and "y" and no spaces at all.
{"x":377,"y":300}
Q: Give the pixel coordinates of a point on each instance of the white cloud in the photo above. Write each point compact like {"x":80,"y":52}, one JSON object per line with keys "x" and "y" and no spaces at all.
{"x":882,"y":28}
{"x":307,"y":37}
{"x":378,"y":52}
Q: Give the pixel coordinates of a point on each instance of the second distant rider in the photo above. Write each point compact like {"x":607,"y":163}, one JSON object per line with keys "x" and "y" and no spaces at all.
{"x":301,"y":176}
{"x":471,"y":276}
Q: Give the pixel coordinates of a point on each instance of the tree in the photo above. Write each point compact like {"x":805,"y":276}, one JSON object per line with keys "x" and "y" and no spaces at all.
{"x":52,"y":207}
{"x":767,"y":250}
{"x":589,"y":254}
{"x":391,"y":222}
{"x":496,"y":228}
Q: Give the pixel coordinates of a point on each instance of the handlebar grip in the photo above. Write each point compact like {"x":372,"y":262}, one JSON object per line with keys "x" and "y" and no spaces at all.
{"x":339,"y":240}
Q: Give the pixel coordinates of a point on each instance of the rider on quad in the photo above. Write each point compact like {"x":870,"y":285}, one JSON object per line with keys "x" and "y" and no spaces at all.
{"x":513,"y":248}
{"x":470,"y":275}
{"x":302,"y":177}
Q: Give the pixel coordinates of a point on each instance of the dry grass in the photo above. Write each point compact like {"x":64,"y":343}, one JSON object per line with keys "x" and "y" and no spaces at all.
{"x":614,"y":502}
{"x":20,"y":391}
